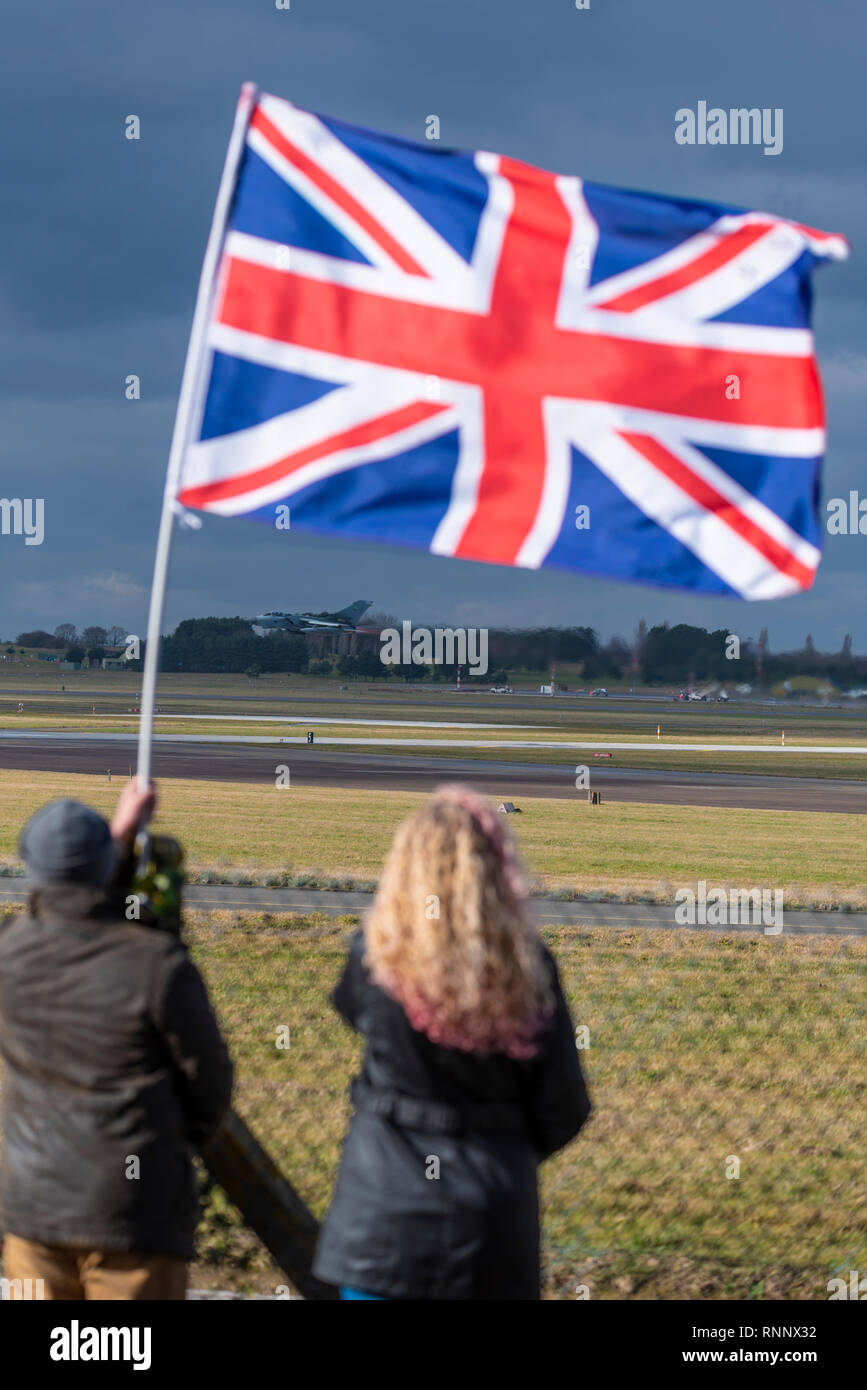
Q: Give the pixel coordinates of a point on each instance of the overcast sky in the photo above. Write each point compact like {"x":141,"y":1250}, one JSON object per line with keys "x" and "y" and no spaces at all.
{"x":102,"y":240}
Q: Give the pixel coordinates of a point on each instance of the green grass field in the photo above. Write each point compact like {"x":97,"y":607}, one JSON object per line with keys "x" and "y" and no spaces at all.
{"x":703,"y":1050}
{"x":724,"y":1158}
{"x":199,"y":689}
{"x":708,"y":1054}
{"x":620,"y":848}
{"x":547,"y":721}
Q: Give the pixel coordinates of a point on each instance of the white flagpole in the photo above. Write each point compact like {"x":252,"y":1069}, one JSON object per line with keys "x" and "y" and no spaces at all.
{"x":189,"y":405}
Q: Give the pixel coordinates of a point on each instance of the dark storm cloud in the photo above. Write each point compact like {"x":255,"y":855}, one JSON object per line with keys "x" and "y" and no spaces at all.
{"x":103,"y":237}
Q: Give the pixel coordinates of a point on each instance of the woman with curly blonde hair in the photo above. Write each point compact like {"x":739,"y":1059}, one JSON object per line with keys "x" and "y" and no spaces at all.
{"x":470,"y":1074}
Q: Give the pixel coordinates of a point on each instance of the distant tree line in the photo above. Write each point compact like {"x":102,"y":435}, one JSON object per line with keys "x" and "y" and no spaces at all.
{"x":842,"y":668}
{"x":675,"y":653}
{"x":67,"y":635}
{"x":672,"y":654}
{"x":90,"y":642}
{"x":230,"y":644}
{"x":661,"y":655}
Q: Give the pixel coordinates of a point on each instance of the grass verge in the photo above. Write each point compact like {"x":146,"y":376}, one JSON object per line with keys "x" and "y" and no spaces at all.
{"x":724,"y":1158}
{"x":708,"y":1055}
{"x":310,"y":834}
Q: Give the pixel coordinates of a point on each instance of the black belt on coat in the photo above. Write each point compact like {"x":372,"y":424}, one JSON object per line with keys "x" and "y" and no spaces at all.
{"x":413,"y":1113}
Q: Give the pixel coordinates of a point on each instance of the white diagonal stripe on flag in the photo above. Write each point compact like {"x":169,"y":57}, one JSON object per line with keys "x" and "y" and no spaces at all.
{"x":319,"y":199}
{"x":283,"y":440}
{"x":379,"y":199}
{"x":757,"y":265}
{"x":716,"y":544}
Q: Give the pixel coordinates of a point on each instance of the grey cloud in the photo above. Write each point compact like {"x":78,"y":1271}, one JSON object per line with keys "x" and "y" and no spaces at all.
{"x":103,"y":238}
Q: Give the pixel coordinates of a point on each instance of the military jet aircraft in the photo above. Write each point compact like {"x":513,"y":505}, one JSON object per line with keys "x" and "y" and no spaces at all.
{"x":345,"y":620}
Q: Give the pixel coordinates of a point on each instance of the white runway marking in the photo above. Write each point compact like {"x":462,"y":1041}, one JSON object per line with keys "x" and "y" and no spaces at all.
{"x":321,"y":719}
{"x":323,"y":741}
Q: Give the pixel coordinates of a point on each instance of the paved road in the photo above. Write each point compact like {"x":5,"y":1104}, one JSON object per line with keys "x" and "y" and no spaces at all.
{"x":416,"y":697}
{"x":316,"y":766}
{"x":549,"y":912}
{"x":309,"y":720}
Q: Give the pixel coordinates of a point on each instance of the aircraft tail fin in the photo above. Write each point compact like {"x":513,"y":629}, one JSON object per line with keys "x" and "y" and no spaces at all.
{"x":355,"y":610}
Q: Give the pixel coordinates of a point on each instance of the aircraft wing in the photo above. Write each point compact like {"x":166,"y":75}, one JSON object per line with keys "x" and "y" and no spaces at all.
{"x":314,"y":624}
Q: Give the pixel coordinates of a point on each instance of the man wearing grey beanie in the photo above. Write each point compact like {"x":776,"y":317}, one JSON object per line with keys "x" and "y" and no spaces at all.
{"x":114,"y":1067}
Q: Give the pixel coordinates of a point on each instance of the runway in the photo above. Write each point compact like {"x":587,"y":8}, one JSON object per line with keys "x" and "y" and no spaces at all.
{"x":314,"y":720}
{"x":548,"y":911}
{"x":416,"y":696}
{"x":275,"y":740}
{"x":317,"y":766}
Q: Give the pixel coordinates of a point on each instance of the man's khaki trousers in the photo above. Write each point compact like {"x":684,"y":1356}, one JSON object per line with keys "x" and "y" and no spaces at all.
{"x":68,"y":1272}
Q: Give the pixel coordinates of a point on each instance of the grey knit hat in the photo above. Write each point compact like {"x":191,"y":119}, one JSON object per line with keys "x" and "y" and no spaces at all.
{"x":66,"y":842}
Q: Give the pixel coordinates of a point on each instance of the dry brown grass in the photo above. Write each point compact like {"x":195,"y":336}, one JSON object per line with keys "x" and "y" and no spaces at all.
{"x":703,"y":1049}
{"x":620,"y":848}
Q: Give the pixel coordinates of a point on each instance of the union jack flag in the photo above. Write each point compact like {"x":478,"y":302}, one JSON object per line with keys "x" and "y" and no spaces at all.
{"x":466,"y":354}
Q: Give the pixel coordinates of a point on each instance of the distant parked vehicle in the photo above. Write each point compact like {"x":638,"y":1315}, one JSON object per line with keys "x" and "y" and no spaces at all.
{"x":500,"y":690}
{"x":600,"y":690}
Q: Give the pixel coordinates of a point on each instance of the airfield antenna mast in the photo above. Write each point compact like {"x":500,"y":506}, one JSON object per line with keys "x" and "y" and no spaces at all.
{"x":190,"y":401}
